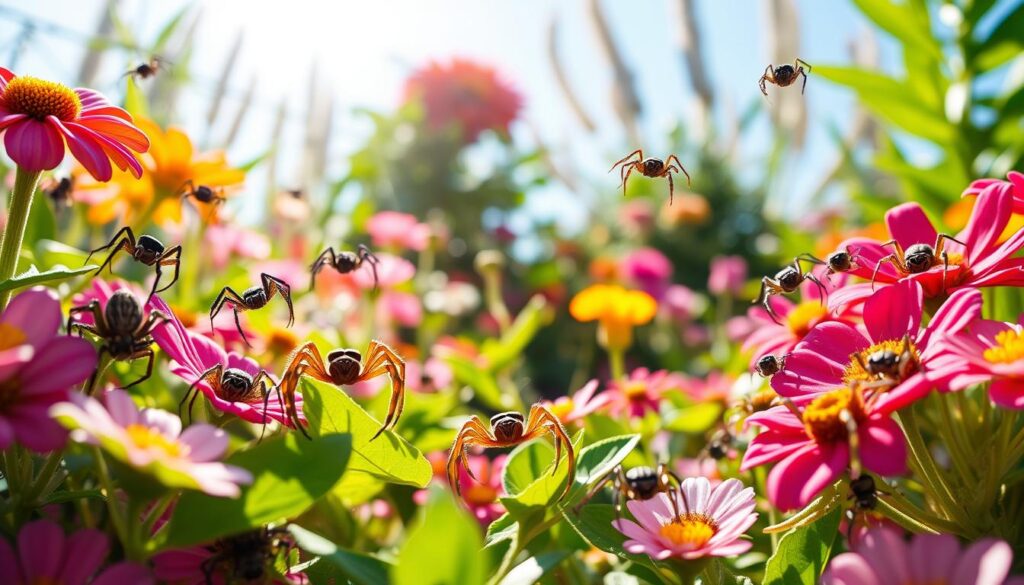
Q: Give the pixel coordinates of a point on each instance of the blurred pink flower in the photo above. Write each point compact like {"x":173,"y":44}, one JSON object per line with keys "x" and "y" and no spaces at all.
{"x":681,"y":303}
{"x":38,"y":368}
{"x":570,"y":409}
{"x":224,"y":240}
{"x":432,"y":376}
{"x":401,"y":308}
{"x":637,"y":216}
{"x":989,"y":351}
{"x":699,"y":467}
{"x":391,"y":271}
{"x":728,"y":274}
{"x":398,"y":231}
{"x":740,"y":328}
{"x":45,"y":556}
{"x":647,"y":269}
{"x":641,"y":392}
{"x":481,"y":495}
{"x":715,"y":386}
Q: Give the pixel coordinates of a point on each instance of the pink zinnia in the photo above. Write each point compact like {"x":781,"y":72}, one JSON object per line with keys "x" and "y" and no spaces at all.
{"x":38,"y":368}
{"x":481,"y":495}
{"x":647,"y":269}
{"x":704,"y":521}
{"x":193,"y":354}
{"x":570,"y":409}
{"x":641,"y":391}
{"x":152,"y":441}
{"x":983,"y":262}
{"x":39,"y":117}
{"x":727,"y":275}
{"x":398,"y":231}
{"x":1015,"y":184}
{"x":986,"y":351}
{"x":46,"y":555}
{"x":884,"y":558}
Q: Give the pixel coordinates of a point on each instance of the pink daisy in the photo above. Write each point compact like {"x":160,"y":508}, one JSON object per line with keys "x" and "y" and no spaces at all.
{"x":152,"y":441}
{"x":884,"y":558}
{"x":986,"y":351}
{"x":641,"y":391}
{"x":648,"y":270}
{"x":703,"y":521}
{"x":39,"y":117}
{"x":1015,"y":183}
{"x":46,"y":555}
{"x":398,"y":231}
{"x":38,"y":368}
{"x":573,"y":408}
{"x":727,"y":275}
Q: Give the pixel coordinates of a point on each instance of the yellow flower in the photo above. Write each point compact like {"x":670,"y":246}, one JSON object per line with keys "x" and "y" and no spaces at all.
{"x":171,"y":162}
{"x":616,"y":310}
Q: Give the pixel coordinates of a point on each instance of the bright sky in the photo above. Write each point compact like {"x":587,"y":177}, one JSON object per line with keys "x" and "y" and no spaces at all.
{"x":364,"y":50}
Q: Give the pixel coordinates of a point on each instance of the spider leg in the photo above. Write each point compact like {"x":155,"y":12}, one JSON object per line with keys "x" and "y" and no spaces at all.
{"x":671,"y":185}
{"x":768,"y":288}
{"x":148,"y":353}
{"x":679,"y":167}
{"x":286,"y":396}
{"x":187,"y":188}
{"x":366,"y":255}
{"x":227,"y":295}
{"x":605,"y":479}
{"x":117,"y":240}
{"x":800,"y":71}
{"x":274,"y":285}
{"x":890,"y":259}
{"x":467,"y":436}
{"x":156,"y":317}
{"x":821,"y":287}
{"x":802,"y":62}
{"x":238,"y":325}
{"x":767,"y":77}
{"x":627,"y":157}
{"x":541,"y":418}
{"x":325,"y":257}
{"x":212,"y":377}
{"x":629,"y":171}
{"x":170,"y":258}
{"x":92,"y":379}
{"x":97,"y":315}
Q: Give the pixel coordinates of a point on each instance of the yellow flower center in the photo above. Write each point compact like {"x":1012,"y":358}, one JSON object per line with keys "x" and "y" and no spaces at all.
{"x":826,"y":418}
{"x":149,"y":438}
{"x":895,"y":348}
{"x":562,"y":407}
{"x":281,"y":341}
{"x":635,"y":390}
{"x":480,"y":495}
{"x":1010,"y":348}
{"x":11,"y":336}
{"x":804,"y":316}
{"x":690,"y":530}
{"x":39,"y":98}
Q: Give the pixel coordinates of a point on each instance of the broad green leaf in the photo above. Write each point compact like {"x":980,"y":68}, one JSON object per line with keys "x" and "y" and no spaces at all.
{"x":803,"y":552}
{"x":52,"y":252}
{"x":1006,"y":42}
{"x":168,"y":29}
{"x":535,"y":315}
{"x":900,"y":22}
{"x":594,"y":524}
{"x":532,"y":569}
{"x":525,"y":464}
{"x":548,"y":486}
{"x":481,"y":381}
{"x":348,"y":566}
{"x":596,"y":461}
{"x":696,"y":418}
{"x":289,"y":475}
{"x":32,"y":276}
{"x":443,"y":547}
{"x":42,"y":225}
{"x":388,"y":458}
{"x":503,"y":528}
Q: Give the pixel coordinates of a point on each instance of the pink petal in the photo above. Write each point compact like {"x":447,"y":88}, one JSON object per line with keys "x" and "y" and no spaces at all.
{"x":6,"y":434}
{"x":86,"y":550}
{"x":6,"y":75}
{"x":769,"y":447}
{"x":87,"y":152}
{"x":207,"y":442}
{"x":125,"y":573}
{"x":884,"y":550}
{"x":13,"y":359}
{"x":118,"y":130}
{"x":850,"y":569}
{"x":894,"y":311}
{"x":117,"y":152}
{"x":868,"y":253}
{"x":121,"y":408}
{"x":932,"y":557}
{"x":63,"y":363}
{"x":986,"y":562}
{"x":961,"y":309}
{"x":41,"y":547}
{"x":797,"y":479}
{"x":8,"y":561}
{"x":34,"y":145}
{"x":850,"y":296}
{"x":989,"y":217}
{"x":882,"y":447}
{"x":909,"y":225}
{"x":1007,"y":392}
{"x":35,"y":429}
{"x":36,"y":312}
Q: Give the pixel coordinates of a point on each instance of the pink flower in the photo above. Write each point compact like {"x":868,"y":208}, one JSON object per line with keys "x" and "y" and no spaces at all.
{"x":983,"y":262}
{"x":1015,"y":184}
{"x":39,"y":116}
{"x":197,"y":566}
{"x":883,"y":558}
{"x":986,"y":351}
{"x":194,"y":354}
{"x":700,"y":467}
{"x":647,"y":269}
{"x":38,"y":368}
{"x":431,"y":376}
{"x":715,"y":386}
{"x":401,"y":307}
{"x":46,"y":555}
{"x":681,"y":303}
{"x":153,"y":442}
{"x":224,"y":240}
{"x":727,"y":275}
{"x":641,"y":392}
{"x":481,"y":496}
{"x":398,"y":231}
{"x":570,"y":409}
{"x":704,"y":521}
{"x":391,"y":271}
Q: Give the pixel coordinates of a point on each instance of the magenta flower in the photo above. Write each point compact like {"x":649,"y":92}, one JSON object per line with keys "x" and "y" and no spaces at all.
{"x":225,"y":240}
{"x":570,"y":409}
{"x":983,"y":262}
{"x":39,"y":117}
{"x":153,"y":442}
{"x":699,"y":467}
{"x":727,"y":275}
{"x":391,"y":271}
{"x":647,"y":269}
{"x":481,"y":495}
{"x":1015,"y":185}
{"x":46,"y":556}
{"x":38,"y":368}
{"x":985,"y":351}
{"x":430,"y":376}
{"x":884,"y":558}
{"x":193,"y":354}
{"x":704,"y":521}
{"x":398,"y":231}
{"x":681,"y":303}
{"x":402,"y":308}
{"x":641,"y":391}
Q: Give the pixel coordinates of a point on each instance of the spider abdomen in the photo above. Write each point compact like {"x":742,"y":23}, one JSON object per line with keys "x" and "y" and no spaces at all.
{"x":255,"y":297}
{"x":919,"y":258}
{"x":343,"y":368}
{"x":507,"y":426}
{"x":784,"y":74}
{"x":236,"y":386}
{"x":644,"y":482}
{"x":346,"y":262}
{"x":123,"y":313}
{"x":652,"y":167}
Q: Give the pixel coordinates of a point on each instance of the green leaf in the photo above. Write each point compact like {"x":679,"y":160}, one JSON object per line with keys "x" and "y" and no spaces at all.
{"x":803,"y":552}
{"x":42,"y":224}
{"x":596,"y":461}
{"x":165,"y":33}
{"x":525,"y":464}
{"x":696,"y":418}
{"x":532,"y":569}
{"x":484,"y":386}
{"x":901,"y":23}
{"x":1006,"y":42}
{"x":349,"y":566}
{"x":388,"y":458}
{"x":32,"y":276}
{"x":443,"y":547}
{"x":289,"y":475}
{"x":547,"y":487}
{"x":594,"y":524}
{"x":134,"y":100}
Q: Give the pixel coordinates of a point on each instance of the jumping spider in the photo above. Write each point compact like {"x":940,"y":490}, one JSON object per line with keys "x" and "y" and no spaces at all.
{"x":786,"y":280}
{"x":841,"y":261}
{"x":202,"y":193}
{"x":917,"y":258}
{"x":507,"y":430}
{"x":344,"y":262}
{"x":650,"y":167}
{"x":343,"y":368}
{"x":784,"y":75}
{"x":639,"y":483}
{"x":246,"y":557}
{"x":232,"y":385}
{"x":147,"y":69}
{"x":768,"y":365}
{"x":147,"y":250}
{"x":253,"y":298}
{"x":125,"y":332}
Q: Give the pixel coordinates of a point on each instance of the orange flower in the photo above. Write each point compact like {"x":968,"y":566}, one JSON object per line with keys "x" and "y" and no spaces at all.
{"x":171,"y":162}
{"x":616,"y":310}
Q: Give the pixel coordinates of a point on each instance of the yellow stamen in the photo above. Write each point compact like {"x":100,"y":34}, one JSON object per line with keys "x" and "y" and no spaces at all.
{"x":480,"y":495}
{"x":11,"y":336}
{"x":39,"y":98}
{"x":562,"y":407}
{"x":635,"y":390}
{"x":823,"y":418}
{"x":690,"y":530}
{"x":855,"y":372}
{"x":804,"y":316}
{"x":148,"y":438}
{"x":1010,"y":348}
{"x":281,"y":341}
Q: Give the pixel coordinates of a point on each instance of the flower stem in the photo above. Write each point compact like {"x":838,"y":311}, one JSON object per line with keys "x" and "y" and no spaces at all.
{"x":617,"y":362}
{"x":42,"y":480}
{"x":116,"y":518}
{"x":931,"y":478}
{"x":25,"y":183}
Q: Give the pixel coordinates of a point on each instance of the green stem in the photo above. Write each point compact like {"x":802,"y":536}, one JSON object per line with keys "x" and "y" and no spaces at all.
{"x":25,"y":183}
{"x":28,"y":499}
{"x":931,"y":478}
{"x":116,"y":518}
{"x":617,"y":362}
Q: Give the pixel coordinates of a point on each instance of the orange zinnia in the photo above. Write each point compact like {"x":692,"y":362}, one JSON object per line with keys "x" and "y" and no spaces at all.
{"x":617,"y":311}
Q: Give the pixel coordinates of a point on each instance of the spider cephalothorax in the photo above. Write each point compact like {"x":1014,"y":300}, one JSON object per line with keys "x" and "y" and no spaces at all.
{"x":918,"y":258}
{"x":891,"y":364}
{"x":146,"y":250}
{"x":345,"y":367}
{"x":253,"y":298}
{"x":203,"y":194}
{"x":786,"y":280}
{"x":246,"y":557}
{"x":768,"y":365}
{"x":232,"y":385}
{"x":508,"y":429}
{"x":841,"y":261}
{"x":147,"y":69}
{"x":650,"y":167}
{"x":125,"y":333}
{"x":344,"y":262}
{"x":638,"y":483}
{"x":784,"y":75}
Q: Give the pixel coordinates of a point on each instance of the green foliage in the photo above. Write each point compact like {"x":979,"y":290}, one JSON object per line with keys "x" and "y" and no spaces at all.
{"x":443,"y":547}
{"x":803,"y":552}
{"x":337,"y":564}
{"x":52,"y":276}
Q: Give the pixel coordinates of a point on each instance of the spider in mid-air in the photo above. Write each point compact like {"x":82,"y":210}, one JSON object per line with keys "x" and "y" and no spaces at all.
{"x":784,"y":75}
{"x":639,"y":483}
{"x":650,"y":167}
{"x":345,"y":367}
{"x":145,"y":249}
{"x":507,"y":430}
{"x":232,"y":385}
{"x":918,"y":258}
{"x":203,"y":194}
{"x":344,"y":262}
{"x":59,"y":192}
{"x":247,"y":557}
{"x":147,"y":69}
{"x":126,"y":334}
{"x":786,"y":280}
{"x":253,"y":298}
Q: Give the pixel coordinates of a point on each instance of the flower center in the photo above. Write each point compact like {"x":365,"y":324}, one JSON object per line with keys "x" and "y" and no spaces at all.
{"x":883,"y":361}
{"x":562,"y":407}
{"x":691,"y":531}
{"x":1010,"y":348}
{"x":149,"y":438}
{"x":281,"y":341}
{"x":10,"y":390}
{"x":804,"y":316}
{"x":39,"y":98}
{"x":11,"y":336}
{"x":188,"y":318}
{"x":480,"y":495}
{"x":635,"y":390}
{"x":824,"y":418}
